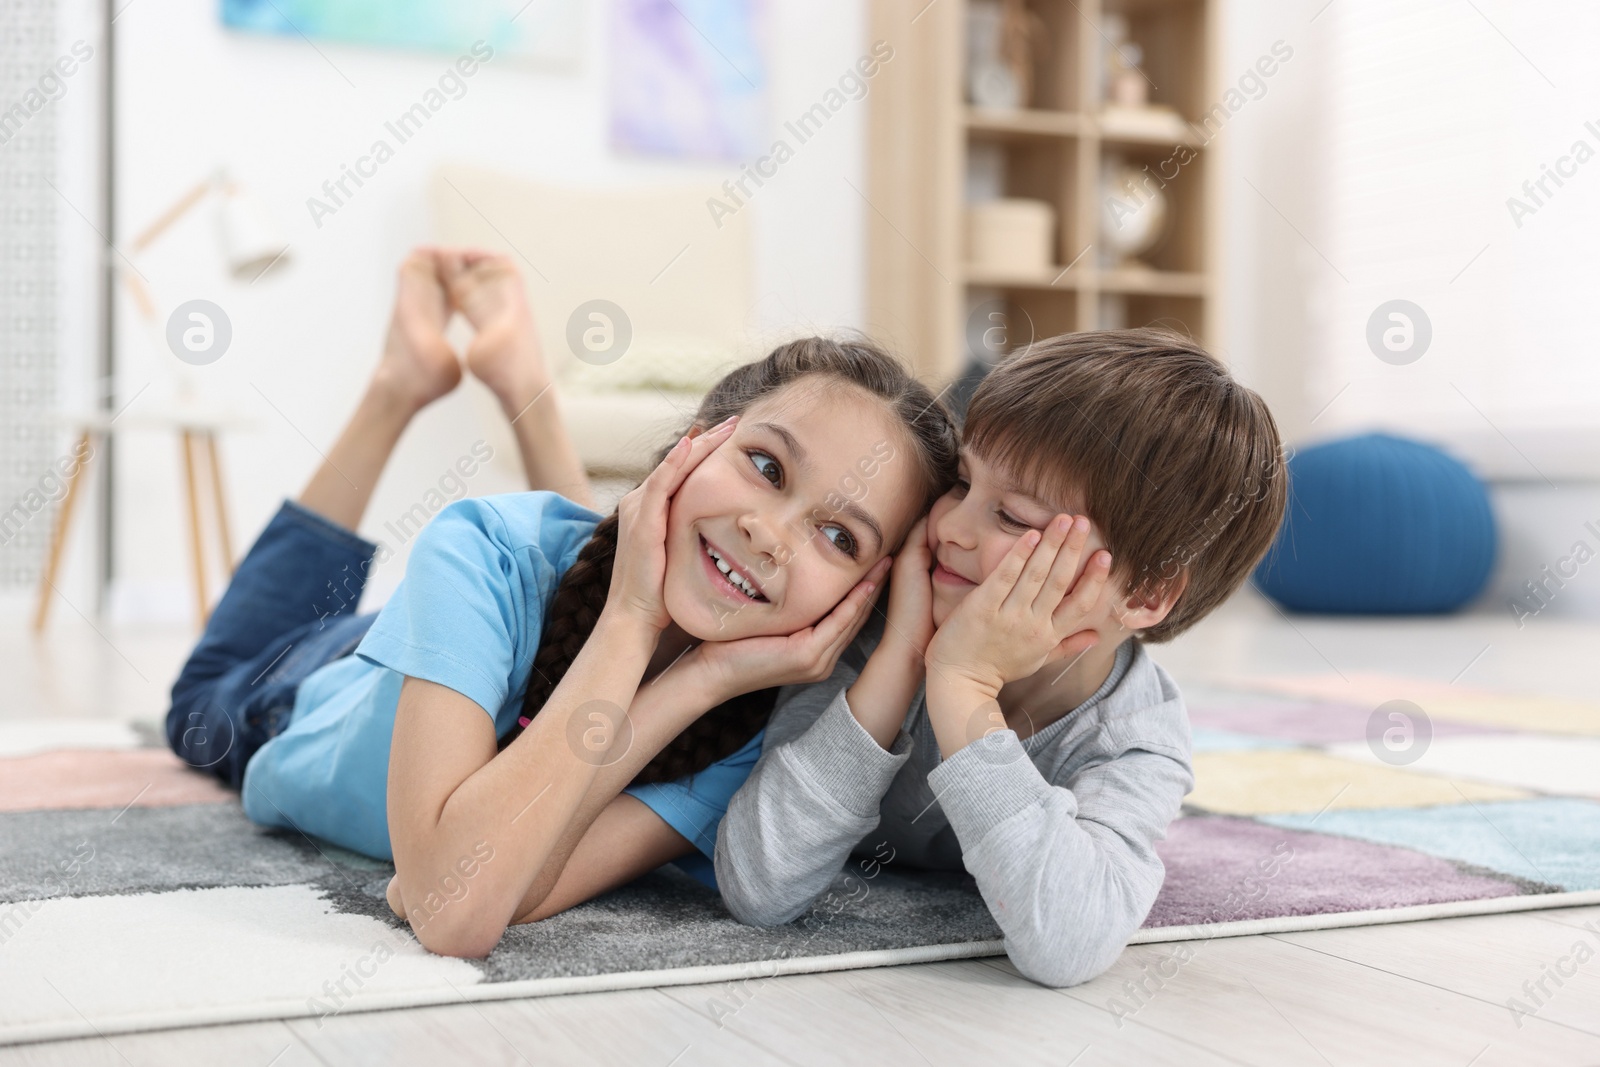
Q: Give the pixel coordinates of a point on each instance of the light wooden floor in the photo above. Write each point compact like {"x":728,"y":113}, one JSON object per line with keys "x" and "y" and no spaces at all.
{"x":1414,"y":993}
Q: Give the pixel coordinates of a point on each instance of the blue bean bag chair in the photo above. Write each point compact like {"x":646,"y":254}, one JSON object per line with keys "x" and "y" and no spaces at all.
{"x":1379,"y":525}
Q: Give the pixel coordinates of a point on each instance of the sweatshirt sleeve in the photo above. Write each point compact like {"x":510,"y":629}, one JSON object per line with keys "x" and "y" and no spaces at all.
{"x":812,"y":797}
{"x":1068,"y":871}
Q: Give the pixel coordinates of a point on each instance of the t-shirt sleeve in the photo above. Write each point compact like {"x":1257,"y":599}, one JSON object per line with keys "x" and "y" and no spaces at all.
{"x":460,"y":615}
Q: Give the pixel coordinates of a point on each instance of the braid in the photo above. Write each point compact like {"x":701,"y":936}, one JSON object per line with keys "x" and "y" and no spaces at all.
{"x":572,"y":615}
{"x":580,"y":596}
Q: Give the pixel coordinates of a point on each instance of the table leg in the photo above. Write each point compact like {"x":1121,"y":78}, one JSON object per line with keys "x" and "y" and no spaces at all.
{"x":58,"y":535}
{"x":219,"y":501}
{"x":201,"y":599}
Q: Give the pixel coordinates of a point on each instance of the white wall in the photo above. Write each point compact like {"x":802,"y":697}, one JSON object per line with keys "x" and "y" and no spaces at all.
{"x":1311,"y":245}
{"x":284,"y":116}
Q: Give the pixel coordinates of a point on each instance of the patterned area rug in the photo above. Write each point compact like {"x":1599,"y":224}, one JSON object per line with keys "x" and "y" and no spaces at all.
{"x":134,"y":895}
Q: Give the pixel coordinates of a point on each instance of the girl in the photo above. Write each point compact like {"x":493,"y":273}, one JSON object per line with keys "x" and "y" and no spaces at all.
{"x":553,"y":703}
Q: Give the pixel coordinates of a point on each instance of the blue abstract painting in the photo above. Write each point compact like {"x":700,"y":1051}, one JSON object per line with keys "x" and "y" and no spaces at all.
{"x":549,"y":31}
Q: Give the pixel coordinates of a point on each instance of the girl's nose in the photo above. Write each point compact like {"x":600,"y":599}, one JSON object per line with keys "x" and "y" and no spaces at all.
{"x":762,"y":535}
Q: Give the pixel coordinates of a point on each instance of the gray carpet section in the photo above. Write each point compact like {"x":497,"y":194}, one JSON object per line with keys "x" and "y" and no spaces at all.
{"x":664,"y":920}
{"x":47,"y":854}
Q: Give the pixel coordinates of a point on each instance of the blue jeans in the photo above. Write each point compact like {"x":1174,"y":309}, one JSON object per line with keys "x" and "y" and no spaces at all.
{"x":289,"y":610}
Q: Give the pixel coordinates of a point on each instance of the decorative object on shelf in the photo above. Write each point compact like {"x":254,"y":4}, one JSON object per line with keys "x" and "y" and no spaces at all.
{"x":1380,"y":525}
{"x":1133,"y":214}
{"x":1125,"y":90}
{"x":1125,"y":81}
{"x":1011,"y":235}
{"x":1002,"y":36}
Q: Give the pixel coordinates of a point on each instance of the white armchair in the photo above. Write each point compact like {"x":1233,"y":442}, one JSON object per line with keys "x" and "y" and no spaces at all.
{"x":683,"y":282}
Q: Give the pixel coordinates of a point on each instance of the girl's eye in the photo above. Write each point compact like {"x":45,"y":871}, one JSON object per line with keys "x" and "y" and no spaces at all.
{"x":960,"y":488}
{"x":1016,"y":524}
{"x":765,"y":464}
{"x":844,"y":543}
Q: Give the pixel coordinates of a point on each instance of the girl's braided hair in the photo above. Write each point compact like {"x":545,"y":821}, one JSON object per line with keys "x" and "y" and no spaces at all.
{"x":581,"y":594}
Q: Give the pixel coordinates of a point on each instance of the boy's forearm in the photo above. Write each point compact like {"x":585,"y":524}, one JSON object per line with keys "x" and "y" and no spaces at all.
{"x":789,"y":829}
{"x":883,"y":693}
{"x":1075,"y":865}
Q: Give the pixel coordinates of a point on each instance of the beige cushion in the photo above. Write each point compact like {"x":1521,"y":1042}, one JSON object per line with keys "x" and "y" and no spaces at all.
{"x":683,"y":282}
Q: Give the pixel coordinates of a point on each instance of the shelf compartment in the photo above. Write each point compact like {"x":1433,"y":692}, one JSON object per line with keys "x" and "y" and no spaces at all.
{"x":1181,"y":249}
{"x":1168,"y":32}
{"x":1182,"y":314}
{"x":1026,"y":315}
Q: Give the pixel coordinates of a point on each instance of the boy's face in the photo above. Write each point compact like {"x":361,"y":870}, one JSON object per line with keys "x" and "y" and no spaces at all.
{"x":974,"y":525}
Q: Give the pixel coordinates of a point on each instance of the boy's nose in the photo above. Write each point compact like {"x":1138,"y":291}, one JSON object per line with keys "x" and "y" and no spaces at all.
{"x":953,"y":527}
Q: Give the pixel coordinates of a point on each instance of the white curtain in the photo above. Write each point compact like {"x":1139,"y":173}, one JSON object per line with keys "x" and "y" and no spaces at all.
{"x":1438,"y":112}
{"x":29,"y":212}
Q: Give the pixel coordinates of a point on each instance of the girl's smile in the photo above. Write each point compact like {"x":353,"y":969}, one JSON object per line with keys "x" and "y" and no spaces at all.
{"x":728,"y":576}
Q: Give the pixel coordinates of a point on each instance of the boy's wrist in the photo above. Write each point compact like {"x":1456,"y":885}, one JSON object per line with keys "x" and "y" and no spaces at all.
{"x":962,"y":676}
{"x":960,"y":709}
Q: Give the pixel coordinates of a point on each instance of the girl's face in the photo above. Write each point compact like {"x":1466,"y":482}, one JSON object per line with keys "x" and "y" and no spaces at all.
{"x":974,"y":525}
{"x":815,"y":485}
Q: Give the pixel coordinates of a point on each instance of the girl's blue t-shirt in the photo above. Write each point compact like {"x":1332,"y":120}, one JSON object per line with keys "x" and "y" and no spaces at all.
{"x":467,"y":615}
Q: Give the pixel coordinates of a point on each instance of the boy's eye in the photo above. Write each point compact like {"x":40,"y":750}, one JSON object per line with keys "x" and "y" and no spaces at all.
{"x":1016,"y":524}
{"x":960,"y":488}
{"x":845,"y":542}
{"x":767,"y":466}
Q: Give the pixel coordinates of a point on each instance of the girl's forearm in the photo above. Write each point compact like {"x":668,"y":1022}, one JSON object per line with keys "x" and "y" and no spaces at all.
{"x":518,"y":804}
{"x":883,"y":692}
{"x":661,"y":710}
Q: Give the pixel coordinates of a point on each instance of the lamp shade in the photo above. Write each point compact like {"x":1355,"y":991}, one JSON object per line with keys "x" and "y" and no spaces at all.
{"x":251,"y":240}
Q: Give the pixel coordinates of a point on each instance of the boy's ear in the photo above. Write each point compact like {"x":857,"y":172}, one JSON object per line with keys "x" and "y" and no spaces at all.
{"x":1146,"y":608}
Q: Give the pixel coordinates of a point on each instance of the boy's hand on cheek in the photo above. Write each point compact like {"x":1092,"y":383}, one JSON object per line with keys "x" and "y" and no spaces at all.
{"x":1026,"y":613}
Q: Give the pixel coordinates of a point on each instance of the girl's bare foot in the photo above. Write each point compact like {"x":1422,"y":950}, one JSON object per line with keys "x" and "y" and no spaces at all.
{"x":418,"y":365}
{"x":486,"y":288}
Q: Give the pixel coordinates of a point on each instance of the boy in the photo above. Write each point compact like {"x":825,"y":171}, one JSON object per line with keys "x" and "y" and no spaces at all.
{"x":1005,"y":716}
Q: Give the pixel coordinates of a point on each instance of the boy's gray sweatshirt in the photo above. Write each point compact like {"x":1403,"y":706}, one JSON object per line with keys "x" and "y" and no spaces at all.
{"x":1059,"y":830}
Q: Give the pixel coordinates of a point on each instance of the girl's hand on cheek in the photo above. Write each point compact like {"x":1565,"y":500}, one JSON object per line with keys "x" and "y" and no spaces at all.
{"x":1028,"y":612}
{"x":730,"y":668}
{"x":640,"y":567}
{"x":911,"y":593}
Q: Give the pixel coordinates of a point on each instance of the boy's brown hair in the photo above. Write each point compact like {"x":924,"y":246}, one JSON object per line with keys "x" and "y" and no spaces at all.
{"x":1178,"y":464}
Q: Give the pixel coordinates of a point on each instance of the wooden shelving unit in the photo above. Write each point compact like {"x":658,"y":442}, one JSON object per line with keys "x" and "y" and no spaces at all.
{"x":921,"y":290}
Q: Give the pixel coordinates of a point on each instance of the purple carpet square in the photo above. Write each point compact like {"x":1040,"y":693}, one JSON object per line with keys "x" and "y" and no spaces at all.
{"x":1226,"y":869}
{"x":1307,"y":722}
